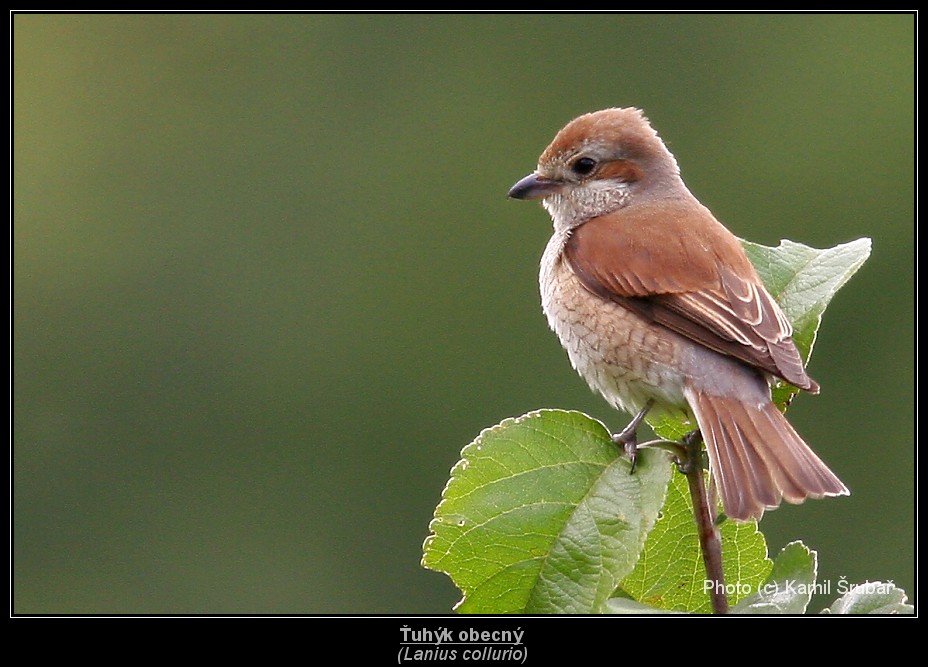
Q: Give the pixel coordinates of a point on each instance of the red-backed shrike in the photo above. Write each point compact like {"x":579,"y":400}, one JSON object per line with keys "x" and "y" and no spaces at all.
{"x":659,"y":307}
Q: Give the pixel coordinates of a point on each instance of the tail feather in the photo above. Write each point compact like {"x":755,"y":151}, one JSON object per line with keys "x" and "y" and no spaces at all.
{"x":756,"y":457}
{"x":743,"y":478}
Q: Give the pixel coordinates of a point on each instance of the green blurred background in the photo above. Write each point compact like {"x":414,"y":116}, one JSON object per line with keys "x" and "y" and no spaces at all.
{"x":267,"y":283}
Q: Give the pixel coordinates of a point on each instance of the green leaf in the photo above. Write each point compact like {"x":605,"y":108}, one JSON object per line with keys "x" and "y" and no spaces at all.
{"x":803,"y":280}
{"x":629,"y":606}
{"x":789,"y":587}
{"x":872,"y":597}
{"x":670,"y":574}
{"x":542,"y":515}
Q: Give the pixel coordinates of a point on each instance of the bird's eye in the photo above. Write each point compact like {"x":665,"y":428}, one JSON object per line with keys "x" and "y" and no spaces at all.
{"x":583,"y":166}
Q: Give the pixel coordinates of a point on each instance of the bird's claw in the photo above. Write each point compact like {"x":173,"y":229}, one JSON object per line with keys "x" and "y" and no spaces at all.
{"x":628,"y":437}
{"x":629,"y":442}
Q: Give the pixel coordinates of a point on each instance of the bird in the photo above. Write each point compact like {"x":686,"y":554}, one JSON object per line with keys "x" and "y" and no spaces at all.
{"x":660,"y":309}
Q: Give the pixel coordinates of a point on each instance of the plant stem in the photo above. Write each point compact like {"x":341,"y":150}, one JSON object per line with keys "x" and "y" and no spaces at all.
{"x":710,"y":541}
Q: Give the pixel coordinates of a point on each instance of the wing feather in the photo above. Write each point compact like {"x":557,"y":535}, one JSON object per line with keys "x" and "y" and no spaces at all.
{"x":692,"y":278}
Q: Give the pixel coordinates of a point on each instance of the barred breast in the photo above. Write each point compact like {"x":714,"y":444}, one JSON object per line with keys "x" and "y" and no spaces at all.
{"x":622,"y":356}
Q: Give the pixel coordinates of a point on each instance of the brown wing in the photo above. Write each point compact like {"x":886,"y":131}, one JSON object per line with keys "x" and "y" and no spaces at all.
{"x":690,"y":275}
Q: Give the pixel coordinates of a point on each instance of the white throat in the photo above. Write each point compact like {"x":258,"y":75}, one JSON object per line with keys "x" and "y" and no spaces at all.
{"x":580,"y":203}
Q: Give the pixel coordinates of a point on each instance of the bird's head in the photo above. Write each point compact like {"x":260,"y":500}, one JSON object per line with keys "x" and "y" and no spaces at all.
{"x":597,"y":164}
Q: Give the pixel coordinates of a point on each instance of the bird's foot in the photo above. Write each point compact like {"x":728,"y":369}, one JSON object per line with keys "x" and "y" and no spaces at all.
{"x":628,"y":437}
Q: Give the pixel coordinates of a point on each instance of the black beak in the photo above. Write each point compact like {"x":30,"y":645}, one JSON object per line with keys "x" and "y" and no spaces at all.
{"x":534,"y":186}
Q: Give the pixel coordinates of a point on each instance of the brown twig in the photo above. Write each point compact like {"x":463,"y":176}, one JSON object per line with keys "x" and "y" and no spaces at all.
{"x":688,"y":453}
{"x":710,"y":541}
